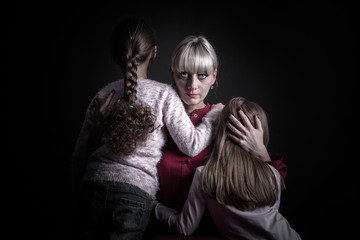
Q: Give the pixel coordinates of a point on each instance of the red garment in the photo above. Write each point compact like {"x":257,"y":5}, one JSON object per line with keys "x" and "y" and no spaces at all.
{"x":277,"y":162}
{"x":176,"y":170}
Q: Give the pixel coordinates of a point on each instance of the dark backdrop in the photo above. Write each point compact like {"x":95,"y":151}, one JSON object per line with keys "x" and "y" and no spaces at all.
{"x":294,"y":59}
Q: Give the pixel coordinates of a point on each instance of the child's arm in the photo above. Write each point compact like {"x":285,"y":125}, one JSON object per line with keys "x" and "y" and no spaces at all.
{"x":191,"y":140}
{"x":89,"y":137}
{"x":188,"y":220}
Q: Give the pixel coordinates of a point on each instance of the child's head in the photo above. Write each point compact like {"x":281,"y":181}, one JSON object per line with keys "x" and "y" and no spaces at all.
{"x":133,"y":44}
{"x":233,"y":176}
{"x":132,"y":40}
{"x":250,"y":109}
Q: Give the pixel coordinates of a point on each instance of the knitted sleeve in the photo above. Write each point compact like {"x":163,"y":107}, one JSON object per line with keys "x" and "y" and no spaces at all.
{"x":187,"y":221}
{"x":89,"y":137}
{"x":82,"y":148}
{"x":191,"y":140}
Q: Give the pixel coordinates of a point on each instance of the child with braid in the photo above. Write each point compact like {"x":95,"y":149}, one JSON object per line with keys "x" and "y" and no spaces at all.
{"x":116,"y":153}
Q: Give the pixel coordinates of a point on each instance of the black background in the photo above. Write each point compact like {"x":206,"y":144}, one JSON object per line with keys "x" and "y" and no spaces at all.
{"x":294,"y":59}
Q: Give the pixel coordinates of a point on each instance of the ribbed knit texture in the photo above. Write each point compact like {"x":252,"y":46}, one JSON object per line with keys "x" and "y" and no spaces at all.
{"x":139,"y":169}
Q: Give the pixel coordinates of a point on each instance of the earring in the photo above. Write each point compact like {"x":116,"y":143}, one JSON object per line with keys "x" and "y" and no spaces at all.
{"x":212,"y":87}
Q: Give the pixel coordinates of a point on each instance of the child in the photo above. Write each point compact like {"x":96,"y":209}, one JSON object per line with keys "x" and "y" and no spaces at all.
{"x":241,"y":192}
{"x":117,"y":167}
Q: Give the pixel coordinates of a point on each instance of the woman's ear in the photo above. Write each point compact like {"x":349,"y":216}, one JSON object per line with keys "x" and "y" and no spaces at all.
{"x":171,"y":73}
{"x":154,"y":53}
{"x":214,"y":76}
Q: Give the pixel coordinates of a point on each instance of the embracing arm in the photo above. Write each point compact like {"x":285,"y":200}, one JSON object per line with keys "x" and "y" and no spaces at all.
{"x":188,"y":220}
{"x":89,"y":138}
{"x":191,"y":140}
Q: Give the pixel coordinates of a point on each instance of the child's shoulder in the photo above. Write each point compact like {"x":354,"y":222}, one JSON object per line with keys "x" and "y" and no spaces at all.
{"x":154,"y":84}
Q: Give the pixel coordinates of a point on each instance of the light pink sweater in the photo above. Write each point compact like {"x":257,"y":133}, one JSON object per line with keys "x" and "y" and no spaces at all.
{"x":139,"y":169}
{"x":260,"y":224}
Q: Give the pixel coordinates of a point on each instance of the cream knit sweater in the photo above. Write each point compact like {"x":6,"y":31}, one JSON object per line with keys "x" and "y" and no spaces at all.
{"x":139,"y":169}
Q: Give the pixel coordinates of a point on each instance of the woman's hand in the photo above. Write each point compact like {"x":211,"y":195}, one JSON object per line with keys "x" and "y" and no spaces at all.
{"x":99,"y":115}
{"x":247,"y":136}
{"x":218,"y":105}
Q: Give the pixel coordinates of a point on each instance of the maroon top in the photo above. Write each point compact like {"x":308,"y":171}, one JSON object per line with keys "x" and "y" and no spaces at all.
{"x":176,"y":171}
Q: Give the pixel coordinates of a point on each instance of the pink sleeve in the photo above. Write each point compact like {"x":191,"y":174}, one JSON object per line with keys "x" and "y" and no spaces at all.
{"x":190,"y":140}
{"x":188,"y":220}
{"x":277,"y":162}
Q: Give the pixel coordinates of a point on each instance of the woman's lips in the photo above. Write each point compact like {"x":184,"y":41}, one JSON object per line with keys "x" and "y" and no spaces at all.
{"x":191,"y":95}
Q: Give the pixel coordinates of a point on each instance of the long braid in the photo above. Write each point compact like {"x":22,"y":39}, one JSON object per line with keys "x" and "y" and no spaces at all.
{"x":131,"y":81}
{"x":130,"y":120}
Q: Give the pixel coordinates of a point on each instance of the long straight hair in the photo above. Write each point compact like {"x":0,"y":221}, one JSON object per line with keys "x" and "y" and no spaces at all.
{"x":130,"y":120}
{"x":233,"y":176}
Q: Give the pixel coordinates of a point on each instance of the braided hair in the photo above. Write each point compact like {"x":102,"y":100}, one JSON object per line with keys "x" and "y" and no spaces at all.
{"x":130,"y":120}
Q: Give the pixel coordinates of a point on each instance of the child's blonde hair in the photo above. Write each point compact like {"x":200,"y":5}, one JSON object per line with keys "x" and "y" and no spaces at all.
{"x":233,"y":176}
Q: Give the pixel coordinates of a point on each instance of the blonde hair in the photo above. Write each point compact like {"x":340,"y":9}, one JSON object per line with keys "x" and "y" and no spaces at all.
{"x":194,"y":54}
{"x":233,"y":176}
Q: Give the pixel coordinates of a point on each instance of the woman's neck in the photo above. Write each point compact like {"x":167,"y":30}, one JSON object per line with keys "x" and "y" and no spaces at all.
{"x":190,"y":108}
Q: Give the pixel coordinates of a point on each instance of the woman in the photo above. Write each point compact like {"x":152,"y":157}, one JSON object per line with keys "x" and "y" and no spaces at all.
{"x":194,"y":67}
{"x":241,"y":192}
{"x":115,"y":158}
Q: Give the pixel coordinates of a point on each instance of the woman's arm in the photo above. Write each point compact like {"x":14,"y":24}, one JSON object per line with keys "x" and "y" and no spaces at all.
{"x":89,"y":137}
{"x":191,"y":140}
{"x":188,"y":220}
{"x":250,"y":138}
{"x":277,"y":162}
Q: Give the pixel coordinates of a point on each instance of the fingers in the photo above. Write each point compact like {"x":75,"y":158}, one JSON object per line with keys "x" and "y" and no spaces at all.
{"x":94,"y":107}
{"x":218,"y":105}
{"x":233,"y":137}
{"x":107,"y":102}
{"x":238,"y":125}
{"x":97,"y":104}
{"x":234,"y":130}
{"x":238,"y":141}
{"x":258,"y":123}
{"x":245,"y":119}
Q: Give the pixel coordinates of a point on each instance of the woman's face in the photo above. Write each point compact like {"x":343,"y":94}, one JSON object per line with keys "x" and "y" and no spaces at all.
{"x":193,"y":88}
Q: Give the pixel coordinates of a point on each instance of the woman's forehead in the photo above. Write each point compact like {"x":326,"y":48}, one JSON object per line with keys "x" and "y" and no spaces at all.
{"x":195,"y":65}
